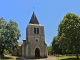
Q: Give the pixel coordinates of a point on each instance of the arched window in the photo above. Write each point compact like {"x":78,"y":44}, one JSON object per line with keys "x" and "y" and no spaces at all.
{"x":37,"y":30}
{"x":34,"y":30}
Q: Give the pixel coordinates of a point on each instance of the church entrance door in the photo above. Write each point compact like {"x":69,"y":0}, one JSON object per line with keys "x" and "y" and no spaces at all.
{"x":37,"y":52}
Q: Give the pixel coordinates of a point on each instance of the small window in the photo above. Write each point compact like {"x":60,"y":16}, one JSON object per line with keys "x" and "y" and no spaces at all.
{"x":34,"y":30}
{"x":37,"y":30}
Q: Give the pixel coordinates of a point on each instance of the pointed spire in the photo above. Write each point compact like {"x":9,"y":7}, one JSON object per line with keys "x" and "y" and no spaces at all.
{"x":33,"y":19}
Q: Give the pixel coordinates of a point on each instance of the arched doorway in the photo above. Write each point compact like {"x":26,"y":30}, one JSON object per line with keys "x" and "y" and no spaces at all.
{"x":37,"y":52}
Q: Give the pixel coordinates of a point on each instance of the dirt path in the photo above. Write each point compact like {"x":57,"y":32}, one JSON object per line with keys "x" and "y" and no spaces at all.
{"x":50,"y":58}
{"x":23,"y":58}
{"x":10,"y":56}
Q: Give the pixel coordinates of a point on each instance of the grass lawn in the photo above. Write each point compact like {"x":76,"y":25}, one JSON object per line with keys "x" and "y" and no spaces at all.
{"x":67,"y":58}
{"x":8,"y":57}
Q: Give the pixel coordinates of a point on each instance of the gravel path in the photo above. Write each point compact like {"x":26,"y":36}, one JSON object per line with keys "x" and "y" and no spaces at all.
{"x":23,"y":58}
{"x":50,"y":58}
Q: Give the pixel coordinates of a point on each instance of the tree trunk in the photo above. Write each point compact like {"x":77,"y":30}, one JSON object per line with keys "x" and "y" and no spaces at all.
{"x":77,"y":56}
{"x":2,"y":53}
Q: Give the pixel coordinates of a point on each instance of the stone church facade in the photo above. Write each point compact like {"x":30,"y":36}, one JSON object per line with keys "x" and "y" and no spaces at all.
{"x":34,"y":45}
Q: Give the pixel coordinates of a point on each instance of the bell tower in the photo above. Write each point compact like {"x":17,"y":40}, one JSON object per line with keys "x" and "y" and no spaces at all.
{"x":35,"y":38}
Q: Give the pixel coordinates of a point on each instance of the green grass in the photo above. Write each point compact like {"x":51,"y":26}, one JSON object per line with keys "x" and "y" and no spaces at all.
{"x":67,"y":58}
{"x":8,"y":58}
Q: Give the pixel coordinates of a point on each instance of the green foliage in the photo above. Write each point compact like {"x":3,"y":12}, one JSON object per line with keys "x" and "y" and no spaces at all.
{"x":68,"y":39}
{"x":13,"y":35}
{"x":3,"y":24}
{"x":69,"y":33}
{"x":9,"y":34}
{"x":67,"y":58}
{"x":6,"y":51}
{"x":50,"y":51}
{"x":56,"y":45}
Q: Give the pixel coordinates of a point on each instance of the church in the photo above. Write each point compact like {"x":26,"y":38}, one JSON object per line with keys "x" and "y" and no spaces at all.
{"x":34,"y":44}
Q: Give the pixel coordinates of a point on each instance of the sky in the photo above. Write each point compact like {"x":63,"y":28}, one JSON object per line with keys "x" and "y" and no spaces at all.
{"x":49,"y":13}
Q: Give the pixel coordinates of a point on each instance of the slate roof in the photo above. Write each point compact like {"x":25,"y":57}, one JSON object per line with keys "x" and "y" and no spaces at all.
{"x":33,"y":19}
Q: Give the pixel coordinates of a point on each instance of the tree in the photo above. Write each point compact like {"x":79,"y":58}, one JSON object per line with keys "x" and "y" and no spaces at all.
{"x":56,"y":46}
{"x":9,"y":34}
{"x":3,"y":24}
{"x":69,"y":33}
{"x":13,"y":34}
{"x":50,"y":51}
